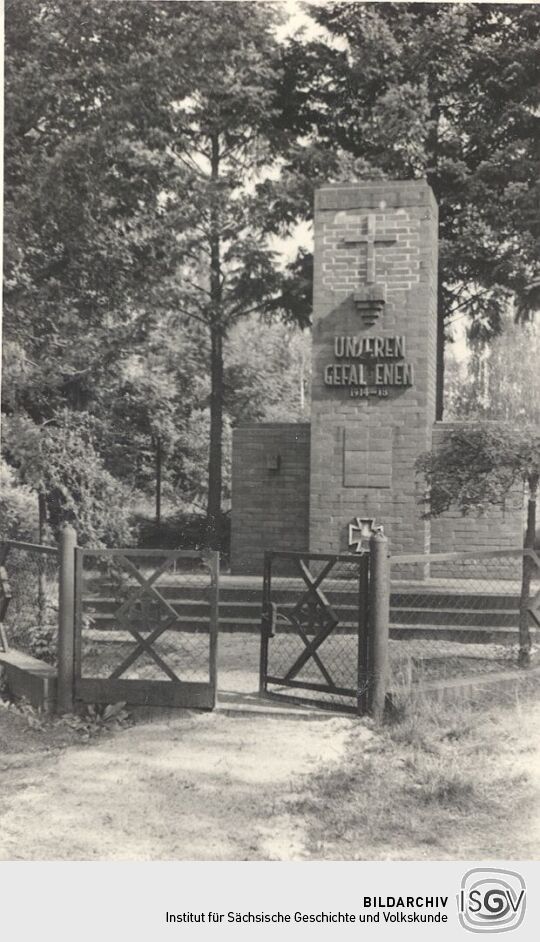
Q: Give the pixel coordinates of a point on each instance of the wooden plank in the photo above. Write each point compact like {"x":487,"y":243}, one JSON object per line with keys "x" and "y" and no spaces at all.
{"x":5,"y":599}
{"x":32,"y":547}
{"x":313,"y":589}
{"x":146,"y":553}
{"x":307,"y":685}
{"x":146,"y":587}
{"x":145,"y":646}
{"x":30,"y":678}
{"x":5,"y":588}
{"x":534,"y":607}
{"x":3,"y":639}
{"x":454,"y":634}
{"x":304,"y":702}
{"x":295,"y":622}
{"x":339,"y":558}
{"x":533,"y":555}
{"x":455,"y":557}
{"x":27,"y":662}
{"x":310,"y":650}
{"x":197,"y":696}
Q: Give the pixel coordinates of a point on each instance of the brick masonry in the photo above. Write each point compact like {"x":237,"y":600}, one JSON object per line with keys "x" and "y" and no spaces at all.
{"x":363,"y":450}
{"x":271,"y":507}
{"x":290,"y":494}
{"x":270,"y":492}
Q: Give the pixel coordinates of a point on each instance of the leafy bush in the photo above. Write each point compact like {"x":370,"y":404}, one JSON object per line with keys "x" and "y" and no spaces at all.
{"x":18,"y":507}
{"x":181,"y":531}
{"x":60,"y":460}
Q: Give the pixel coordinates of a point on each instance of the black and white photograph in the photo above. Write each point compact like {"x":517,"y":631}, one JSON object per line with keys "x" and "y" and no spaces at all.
{"x":269,"y":549}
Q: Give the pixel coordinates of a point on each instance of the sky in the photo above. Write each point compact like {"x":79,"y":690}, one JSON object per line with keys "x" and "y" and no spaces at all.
{"x":297,"y":20}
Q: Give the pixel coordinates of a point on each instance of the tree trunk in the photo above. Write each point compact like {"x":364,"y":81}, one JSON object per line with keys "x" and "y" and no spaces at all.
{"x":216,"y":366}
{"x":302,"y":387}
{"x":432,"y":175}
{"x":158,"y":482}
{"x":42,"y":581}
{"x":216,"y":445}
{"x":439,"y":387}
{"x":524,"y":656}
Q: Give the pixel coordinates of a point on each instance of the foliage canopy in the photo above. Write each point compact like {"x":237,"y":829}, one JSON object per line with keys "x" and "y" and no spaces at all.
{"x":479,"y":464}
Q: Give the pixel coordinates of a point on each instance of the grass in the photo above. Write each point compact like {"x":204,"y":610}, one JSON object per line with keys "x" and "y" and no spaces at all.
{"x":440,"y":782}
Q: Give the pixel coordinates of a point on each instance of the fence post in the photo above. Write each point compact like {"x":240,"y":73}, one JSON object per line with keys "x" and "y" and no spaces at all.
{"x":66,"y":620}
{"x":379,"y":617}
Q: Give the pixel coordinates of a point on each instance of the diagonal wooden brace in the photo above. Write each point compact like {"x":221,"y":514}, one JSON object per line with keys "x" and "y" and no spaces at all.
{"x":145,"y":645}
{"x":533,"y":607}
{"x":310,"y":649}
{"x":147,"y":586}
{"x":293,"y":620}
{"x":313,"y":588}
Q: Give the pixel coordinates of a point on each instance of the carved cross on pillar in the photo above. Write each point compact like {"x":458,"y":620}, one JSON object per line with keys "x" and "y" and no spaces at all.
{"x":370,"y":299}
{"x":371,"y":239}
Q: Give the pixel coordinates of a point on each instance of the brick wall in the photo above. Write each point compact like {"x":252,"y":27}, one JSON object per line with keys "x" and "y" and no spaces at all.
{"x":363,"y":450}
{"x":271,"y":507}
{"x":270,"y":504}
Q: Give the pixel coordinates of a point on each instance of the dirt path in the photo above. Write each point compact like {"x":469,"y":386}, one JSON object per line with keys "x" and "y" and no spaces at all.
{"x":197,"y":787}
{"x":461,"y":784}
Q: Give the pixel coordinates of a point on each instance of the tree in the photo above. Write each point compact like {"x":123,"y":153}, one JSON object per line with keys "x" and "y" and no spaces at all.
{"x":267,"y":372}
{"x":61,"y":465}
{"x":266,"y":379}
{"x":442,"y":91}
{"x":142,"y":144}
{"x":225,"y":143}
{"x":500,"y":379}
{"x":159,"y":387}
{"x":477,"y":467}
{"x":84,"y":242}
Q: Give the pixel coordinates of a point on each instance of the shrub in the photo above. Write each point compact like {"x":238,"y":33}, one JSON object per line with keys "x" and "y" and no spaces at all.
{"x":18,"y":507}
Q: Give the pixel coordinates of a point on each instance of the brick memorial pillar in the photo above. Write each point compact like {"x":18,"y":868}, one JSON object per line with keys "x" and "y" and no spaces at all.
{"x":374,"y":361}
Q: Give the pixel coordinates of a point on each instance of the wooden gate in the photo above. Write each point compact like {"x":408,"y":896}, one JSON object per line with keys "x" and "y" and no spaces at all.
{"x":314,"y":630}
{"x":137,"y":638}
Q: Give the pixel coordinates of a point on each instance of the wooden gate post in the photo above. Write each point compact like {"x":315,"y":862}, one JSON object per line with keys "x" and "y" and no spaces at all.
{"x":379,"y":618}
{"x":66,"y":620}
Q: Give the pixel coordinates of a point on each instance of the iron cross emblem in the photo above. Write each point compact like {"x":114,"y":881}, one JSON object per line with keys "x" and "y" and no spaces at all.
{"x":361,"y":529}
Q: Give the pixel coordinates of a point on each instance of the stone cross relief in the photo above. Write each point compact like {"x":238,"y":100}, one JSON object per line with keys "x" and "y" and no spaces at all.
{"x":370,"y":299}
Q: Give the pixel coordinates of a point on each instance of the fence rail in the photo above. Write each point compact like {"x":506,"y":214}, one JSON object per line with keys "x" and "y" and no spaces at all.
{"x":460,"y":614}
{"x":30,"y":616}
{"x":448,"y":557}
{"x":8,"y":545}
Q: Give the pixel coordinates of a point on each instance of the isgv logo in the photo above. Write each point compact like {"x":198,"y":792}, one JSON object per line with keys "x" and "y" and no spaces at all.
{"x":491,"y":900}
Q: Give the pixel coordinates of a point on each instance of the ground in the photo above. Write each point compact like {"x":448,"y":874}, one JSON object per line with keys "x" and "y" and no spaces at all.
{"x":439,"y":784}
